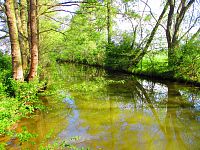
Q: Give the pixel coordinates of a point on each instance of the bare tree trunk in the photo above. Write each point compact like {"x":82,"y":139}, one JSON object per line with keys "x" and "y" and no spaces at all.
{"x":34,"y":40}
{"x":14,"y":39}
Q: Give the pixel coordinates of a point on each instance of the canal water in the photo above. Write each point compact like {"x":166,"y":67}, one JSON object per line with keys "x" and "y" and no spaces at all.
{"x":100,"y":109}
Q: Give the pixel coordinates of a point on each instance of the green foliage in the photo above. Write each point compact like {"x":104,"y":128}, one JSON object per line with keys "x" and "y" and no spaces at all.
{"x":147,"y":17}
{"x":25,"y":136}
{"x":3,"y":146}
{"x":86,"y":37}
{"x":118,"y":56}
{"x":50,"y":42}
{"x":5,"y":68}
{"x":17,"y":99}
{"x":133,"y":14}
{"x":188,"y":61}
{"x":5,"y":62}
{"x":13,"y":108}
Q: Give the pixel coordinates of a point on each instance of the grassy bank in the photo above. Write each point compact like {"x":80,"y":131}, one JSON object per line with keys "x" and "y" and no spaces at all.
{"x":154,"y":65}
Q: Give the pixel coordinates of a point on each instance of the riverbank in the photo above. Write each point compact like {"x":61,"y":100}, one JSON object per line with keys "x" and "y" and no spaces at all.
{"x":117,"y":101}
{"x":158,"y":74}
{"x":17,"y":100}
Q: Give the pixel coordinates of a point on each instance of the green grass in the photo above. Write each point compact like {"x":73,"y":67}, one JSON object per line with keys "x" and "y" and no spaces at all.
{"x":153,"y":63}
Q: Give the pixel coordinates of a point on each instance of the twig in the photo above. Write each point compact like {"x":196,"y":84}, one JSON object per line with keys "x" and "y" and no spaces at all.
{"x":152,"y":14}
{"x":189,"y":28}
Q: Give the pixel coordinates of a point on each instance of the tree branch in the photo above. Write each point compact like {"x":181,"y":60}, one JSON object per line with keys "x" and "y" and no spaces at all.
{"x":139,"y":55}
{"x":3,"y":37}
{"x":2,"y":30}
{"x":56,"y":20}
{"x":189,"y":29}
{"x":179,"y":19}
{"x":152,"y":14}
{"x":53,"y":31}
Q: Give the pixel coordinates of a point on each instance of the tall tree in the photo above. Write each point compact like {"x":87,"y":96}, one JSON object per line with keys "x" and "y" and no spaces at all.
{"x":34,"y":40}
{"x":173,"y":26}
{"x":17,"y":70}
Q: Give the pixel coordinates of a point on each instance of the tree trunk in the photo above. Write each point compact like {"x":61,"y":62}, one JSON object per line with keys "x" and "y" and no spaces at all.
{"x":29,"y":28}
{"x":38,"y":28}
{"x":172,"y":32}
{"x":25,"y":51}
{"x":139,"y":54}
{"x":14,"y":39}
{"x":22,"y":38}
{"x":34,"y":40}
{"x":109,"y":20}
{"x":169,"y":35}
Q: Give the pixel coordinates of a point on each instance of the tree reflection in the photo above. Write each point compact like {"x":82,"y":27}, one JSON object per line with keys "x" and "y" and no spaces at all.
{"x":177,"y":126}
{"x":173,"y":127}
{"x":121,"y":112}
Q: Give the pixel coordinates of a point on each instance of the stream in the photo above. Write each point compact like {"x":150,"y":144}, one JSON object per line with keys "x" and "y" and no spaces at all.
{"x":101,"y":109}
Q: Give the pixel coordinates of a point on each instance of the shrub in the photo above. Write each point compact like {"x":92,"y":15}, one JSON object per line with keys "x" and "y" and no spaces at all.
{"x":188,"y":61}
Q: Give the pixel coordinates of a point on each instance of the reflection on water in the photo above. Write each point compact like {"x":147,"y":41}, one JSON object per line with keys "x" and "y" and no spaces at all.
{"x":117,"y":111}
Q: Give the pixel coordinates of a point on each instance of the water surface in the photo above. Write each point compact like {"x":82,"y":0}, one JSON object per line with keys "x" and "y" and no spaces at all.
{"x":115,"y":111}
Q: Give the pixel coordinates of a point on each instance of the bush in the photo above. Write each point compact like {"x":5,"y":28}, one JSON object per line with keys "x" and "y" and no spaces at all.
{"x":5,"y":62}
{"x":17,"y":99}
{"x":188,"y":61}
{"x":23,"y":102}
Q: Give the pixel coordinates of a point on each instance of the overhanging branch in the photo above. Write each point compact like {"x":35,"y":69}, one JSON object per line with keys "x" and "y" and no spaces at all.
{"x":54,"y":30}
{"x":152,"y":14}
